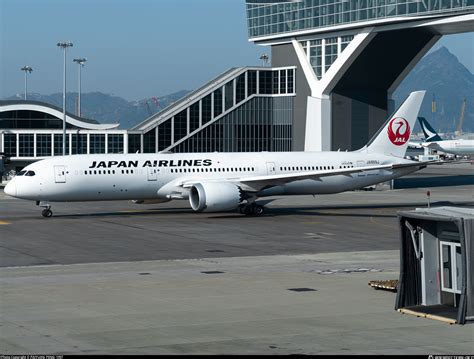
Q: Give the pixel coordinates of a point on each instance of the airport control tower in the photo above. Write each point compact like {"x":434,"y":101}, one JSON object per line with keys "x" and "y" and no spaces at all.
{"x":350,"y":56}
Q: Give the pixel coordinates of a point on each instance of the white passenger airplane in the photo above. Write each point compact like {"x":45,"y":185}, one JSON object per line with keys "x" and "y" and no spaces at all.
{"x":215,"y":182}
{"x":460,"y":147}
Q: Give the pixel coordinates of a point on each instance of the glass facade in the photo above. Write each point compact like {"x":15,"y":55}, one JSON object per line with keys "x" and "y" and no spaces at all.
{"x":97,"y":143}
{"x":79,"y":144}
{"x":149,"y":141}
{"x":251,"y":110}
{"x":206,"y":109}
{"x":322,"y":53}
{"x":27,"y":119}
{"x":58,"y":144}
{"x":266,"y":19}
{"x":114,"y":143}
{"x":26,"y":145}
{"x":164,"y":135}
{"x":252,"y":82}
{"x":134,"y":143}
{"x":229,"y":95}
{"x":264,"y":82}
{"x":261,"y":124}
{"x":9,"y":144}
{"x":43,"y":145}
{"x":194,"y":117}
{"x":180,"y":125}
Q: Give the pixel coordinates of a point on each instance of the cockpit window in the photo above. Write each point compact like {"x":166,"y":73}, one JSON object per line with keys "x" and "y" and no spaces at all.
{"x":21,"y":173}
{"x":30,"y":173}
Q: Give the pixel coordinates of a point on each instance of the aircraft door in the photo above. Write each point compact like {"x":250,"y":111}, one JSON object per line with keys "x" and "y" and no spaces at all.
{"x":152,"y":173}
{"x":60,"y":174}
{"x":271,"y":168}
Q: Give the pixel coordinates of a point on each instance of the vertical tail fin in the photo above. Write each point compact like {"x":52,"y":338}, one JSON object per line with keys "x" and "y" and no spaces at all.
{"x":392,"y":138}
{"x":430,"y":134}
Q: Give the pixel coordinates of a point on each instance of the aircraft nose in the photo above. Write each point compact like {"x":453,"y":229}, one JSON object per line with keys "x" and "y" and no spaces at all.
{"x":10,"y":188}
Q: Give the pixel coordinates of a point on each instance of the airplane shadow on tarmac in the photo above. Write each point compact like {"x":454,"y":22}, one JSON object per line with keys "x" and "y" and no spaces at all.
{"x":315,"y":211}
{"x":441,"y":181}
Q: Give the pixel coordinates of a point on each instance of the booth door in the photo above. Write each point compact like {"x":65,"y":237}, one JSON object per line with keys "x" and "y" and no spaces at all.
{"x":451,"y":268}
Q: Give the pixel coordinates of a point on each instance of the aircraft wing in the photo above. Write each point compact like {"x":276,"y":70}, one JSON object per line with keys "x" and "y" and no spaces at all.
{"x":256,"y":183}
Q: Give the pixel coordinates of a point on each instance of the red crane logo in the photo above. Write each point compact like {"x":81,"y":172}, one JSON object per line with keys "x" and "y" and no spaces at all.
{"x":398,"y":131}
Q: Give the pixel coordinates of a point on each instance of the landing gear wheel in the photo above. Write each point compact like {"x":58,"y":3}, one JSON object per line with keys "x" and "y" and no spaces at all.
{"x":252,"y":209}
{"x":259,"y":210}
{"x":47,"y":212}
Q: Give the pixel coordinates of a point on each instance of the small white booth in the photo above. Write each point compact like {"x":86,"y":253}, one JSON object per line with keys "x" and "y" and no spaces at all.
{"x":436,"y":263}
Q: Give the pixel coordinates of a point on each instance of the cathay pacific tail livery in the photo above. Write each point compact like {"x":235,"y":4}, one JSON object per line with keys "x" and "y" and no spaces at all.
{"x":215,"y":182}
{"x":433,"y":141}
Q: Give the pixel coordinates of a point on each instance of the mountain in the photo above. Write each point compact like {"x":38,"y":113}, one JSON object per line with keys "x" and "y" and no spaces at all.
{"x":442,"y":75}
{"x":108,"y":108}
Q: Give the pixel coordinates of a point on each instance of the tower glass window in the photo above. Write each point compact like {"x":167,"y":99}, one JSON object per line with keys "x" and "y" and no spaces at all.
{"x":266,"y":19}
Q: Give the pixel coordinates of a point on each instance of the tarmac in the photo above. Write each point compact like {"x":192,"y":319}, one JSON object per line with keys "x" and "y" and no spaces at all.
{"x":120,"y":278}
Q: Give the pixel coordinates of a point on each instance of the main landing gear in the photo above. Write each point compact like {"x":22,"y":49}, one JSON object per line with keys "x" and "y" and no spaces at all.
{"x":251,"y":209}
{"x":46,"y":212}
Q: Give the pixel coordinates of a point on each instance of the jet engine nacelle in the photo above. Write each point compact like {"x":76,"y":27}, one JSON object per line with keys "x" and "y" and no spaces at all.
{"x":214,"y":197}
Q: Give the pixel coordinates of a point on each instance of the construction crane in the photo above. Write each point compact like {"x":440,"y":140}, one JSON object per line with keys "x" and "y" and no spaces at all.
{"x":156,"y":101}
{"x":461,"y":119}
{"x":145,"y":102}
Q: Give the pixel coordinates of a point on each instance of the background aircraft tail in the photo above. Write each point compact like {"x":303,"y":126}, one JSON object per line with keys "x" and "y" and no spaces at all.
{"x":430,"y":134}
{"x":392,"y":138}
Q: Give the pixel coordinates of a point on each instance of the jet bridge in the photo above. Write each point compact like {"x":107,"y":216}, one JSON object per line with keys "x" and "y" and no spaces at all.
{"x":436,"y":264}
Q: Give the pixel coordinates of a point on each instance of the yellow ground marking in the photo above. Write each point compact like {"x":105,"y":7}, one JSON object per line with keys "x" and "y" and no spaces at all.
{"x":4,"y":222}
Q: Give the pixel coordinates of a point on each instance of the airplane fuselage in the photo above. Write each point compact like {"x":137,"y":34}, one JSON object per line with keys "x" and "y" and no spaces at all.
{"x":459,"y":147}
{"x":159,"y":176}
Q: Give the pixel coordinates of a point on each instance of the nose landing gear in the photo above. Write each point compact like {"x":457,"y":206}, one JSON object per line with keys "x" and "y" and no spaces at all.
{"x":46,"y":212}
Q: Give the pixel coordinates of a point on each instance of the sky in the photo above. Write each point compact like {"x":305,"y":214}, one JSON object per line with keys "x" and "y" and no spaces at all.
{"x":134,"y":48}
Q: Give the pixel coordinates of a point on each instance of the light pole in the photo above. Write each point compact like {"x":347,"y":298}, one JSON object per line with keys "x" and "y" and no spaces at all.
{"x":64,"y":46}
{"x":26,"y":69}
{"x":81,"y":63}
{"x":264,"y":59}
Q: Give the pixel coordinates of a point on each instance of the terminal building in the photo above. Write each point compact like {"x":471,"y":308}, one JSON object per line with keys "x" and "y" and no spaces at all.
{"x":334,"y":67}
{"x":350,"y":56}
